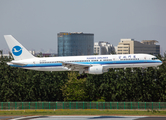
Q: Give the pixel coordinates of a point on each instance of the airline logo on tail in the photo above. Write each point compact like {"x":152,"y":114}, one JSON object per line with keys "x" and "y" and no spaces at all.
{"x":17,"y":50}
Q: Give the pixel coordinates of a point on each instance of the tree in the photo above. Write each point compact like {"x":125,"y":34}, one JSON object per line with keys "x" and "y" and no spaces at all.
{"x":74,"y":89}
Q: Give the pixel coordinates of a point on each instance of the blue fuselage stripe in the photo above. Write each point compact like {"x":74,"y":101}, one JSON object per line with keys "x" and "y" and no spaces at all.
{"x":95,"y":62}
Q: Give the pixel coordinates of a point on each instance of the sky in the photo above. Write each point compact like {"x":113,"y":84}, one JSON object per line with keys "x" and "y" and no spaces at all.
{"x":35,"y":23}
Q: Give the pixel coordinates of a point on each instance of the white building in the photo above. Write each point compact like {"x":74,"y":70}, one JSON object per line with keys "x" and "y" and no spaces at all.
{"x":32,"y":52}
{"x":5,"y":55}
{"x":130,"y":46}
{"x":97,"y":49}
{"x":103,"y":48}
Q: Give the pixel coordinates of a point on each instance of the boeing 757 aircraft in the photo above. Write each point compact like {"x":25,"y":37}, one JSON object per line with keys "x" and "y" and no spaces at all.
{"x":92,"y":64}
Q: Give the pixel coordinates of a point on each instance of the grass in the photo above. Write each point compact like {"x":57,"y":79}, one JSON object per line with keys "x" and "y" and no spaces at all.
{"x":83,"y":112}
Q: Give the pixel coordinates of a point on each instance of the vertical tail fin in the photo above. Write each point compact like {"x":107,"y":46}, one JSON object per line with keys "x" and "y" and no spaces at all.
{"x":18,"y":51}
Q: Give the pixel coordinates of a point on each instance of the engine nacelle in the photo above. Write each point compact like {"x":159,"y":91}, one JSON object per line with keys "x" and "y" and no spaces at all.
{"x":98,"y":69}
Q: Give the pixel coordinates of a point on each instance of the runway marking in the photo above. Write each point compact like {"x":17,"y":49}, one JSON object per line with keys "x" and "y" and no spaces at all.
{"x":29,"y":117}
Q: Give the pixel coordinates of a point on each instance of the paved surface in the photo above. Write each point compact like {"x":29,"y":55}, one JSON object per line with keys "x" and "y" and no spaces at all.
{"x":8,"y":117}
{"x":152,"y":118}
{"x":80,"y":118}
{"x":89,"y":118}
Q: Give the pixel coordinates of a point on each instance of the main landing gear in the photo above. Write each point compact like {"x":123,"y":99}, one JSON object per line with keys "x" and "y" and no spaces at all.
{"x":82,"y":76}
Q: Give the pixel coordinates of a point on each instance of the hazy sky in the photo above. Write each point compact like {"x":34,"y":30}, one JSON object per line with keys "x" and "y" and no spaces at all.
{"x":35,"y":23}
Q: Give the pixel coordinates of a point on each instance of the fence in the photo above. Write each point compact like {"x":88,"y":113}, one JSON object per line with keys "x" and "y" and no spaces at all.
{"x":82,"y":105}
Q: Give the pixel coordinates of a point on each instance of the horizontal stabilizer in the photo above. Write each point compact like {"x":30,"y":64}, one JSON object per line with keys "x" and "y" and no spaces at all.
{"x":16,"y":63}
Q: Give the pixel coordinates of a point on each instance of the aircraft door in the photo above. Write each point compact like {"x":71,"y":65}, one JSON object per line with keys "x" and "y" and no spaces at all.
{"x":91,"y":62}
{"x":34,"y":64}
{"x":145,"y":60}
{"x":114,"y":60}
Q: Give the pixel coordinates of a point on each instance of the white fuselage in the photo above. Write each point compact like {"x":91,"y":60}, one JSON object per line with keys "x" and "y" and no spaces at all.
{"x":94,"y":64}
{"x":106,"y":61}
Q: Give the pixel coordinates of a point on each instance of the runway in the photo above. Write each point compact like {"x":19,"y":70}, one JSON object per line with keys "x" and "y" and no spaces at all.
{"x":8,"y":117}
{"x":89,"y":118}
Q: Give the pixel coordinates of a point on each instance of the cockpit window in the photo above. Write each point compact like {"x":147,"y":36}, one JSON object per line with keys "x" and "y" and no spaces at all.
{"x":154,"y":58}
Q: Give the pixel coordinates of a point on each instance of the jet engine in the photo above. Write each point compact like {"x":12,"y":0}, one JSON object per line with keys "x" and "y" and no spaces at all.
{"x":98,"y":69}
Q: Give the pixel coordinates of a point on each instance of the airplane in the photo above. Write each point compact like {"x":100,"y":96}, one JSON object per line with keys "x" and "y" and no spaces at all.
{"x":91,"y":64}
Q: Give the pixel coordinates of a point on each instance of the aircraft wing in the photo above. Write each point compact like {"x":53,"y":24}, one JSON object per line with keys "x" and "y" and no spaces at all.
{"x":72,"y":66}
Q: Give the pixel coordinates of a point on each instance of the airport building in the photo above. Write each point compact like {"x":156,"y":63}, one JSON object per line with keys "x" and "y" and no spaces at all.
{"x":103,"y":48}
{"x":130,"y":46}
{"x":5,"y":55}
{"x":32,"y":52}
{"x":74,"y":44}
